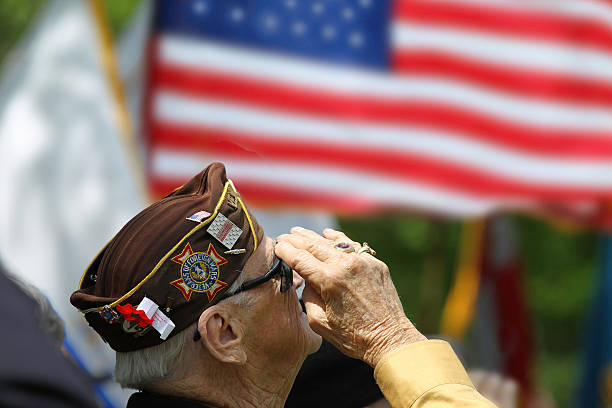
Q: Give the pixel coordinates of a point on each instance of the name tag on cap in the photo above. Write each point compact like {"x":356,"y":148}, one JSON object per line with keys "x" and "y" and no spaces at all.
{"x":161,"y":322}
{"x":225,"y":231}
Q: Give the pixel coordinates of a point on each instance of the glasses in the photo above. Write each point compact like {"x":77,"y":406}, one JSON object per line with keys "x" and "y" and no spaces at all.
{"x":279,"y":267}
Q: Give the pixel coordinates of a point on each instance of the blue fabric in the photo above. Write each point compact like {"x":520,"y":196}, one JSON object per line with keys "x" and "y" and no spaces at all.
{"x":598,"y":345}
{"x":352,"y":32}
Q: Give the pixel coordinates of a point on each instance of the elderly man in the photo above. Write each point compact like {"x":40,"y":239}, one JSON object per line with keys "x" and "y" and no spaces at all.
{"x":203,"y":313}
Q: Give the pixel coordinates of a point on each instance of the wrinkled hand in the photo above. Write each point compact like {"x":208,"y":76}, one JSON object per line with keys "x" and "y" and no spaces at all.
{"x":350,"y":299}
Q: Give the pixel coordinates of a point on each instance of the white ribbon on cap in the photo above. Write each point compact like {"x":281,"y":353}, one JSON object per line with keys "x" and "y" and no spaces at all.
{"x":161,"y":322}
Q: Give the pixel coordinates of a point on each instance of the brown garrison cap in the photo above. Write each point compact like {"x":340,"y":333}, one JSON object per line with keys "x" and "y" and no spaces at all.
{"x":180,"y":254}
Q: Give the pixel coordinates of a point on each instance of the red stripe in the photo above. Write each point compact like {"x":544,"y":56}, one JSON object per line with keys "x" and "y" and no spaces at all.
{"x":386,"y":162}
{"x":273,"y":196}
{"x":530,"y":83}
{"x":529,"y":24}
{"x":422,"y":113}
{"x":263,"y":194}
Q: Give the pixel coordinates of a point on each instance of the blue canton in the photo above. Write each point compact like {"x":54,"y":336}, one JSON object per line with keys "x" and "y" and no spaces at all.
{"x":351,"y":32}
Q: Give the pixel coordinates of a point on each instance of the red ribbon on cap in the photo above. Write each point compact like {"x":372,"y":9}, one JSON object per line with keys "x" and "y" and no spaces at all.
{"x":129,"y":312}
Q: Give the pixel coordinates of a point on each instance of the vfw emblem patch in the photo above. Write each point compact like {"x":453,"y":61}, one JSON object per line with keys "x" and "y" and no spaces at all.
{"x":199,"y":272}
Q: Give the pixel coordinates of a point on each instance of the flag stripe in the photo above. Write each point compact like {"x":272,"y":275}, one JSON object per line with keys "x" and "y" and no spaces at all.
{"x":517,"y":81}
{"x":369,"y":87}
{"x":366,"y":111}
{"x":580,"y":31}
{"x":282,"y":128}
{"x":175,"y":165}
{"x":526,"y":53}
{"x":586,"y":9}
{"x":383,"y":163}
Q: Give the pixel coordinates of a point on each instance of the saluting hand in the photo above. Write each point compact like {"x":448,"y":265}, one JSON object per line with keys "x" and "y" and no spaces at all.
{"x":350,"y":298}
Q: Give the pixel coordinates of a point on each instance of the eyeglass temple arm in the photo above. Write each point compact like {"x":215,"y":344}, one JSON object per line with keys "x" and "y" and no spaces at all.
{"x":245,"y":286}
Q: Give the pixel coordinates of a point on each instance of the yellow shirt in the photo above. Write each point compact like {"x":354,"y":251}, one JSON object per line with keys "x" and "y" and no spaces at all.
{"x":426,"y":374}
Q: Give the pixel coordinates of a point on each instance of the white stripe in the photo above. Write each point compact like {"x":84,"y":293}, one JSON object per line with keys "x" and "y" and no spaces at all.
{"x":526,"y":53}
{"x":173,"y":108}
{"x":358,"y":83}
{"x":321,"y":179}
{"x":586,"y":9}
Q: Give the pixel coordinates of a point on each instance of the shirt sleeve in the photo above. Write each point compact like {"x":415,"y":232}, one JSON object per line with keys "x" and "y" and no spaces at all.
{"x":426,"y":374}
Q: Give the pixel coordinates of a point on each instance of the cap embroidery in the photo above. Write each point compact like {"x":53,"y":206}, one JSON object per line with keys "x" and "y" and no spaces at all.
{"x":199,"y":272}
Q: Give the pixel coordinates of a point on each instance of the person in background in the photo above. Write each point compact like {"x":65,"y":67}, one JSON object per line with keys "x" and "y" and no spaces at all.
{"x":48,"y":319}
{"x":34,"y":373}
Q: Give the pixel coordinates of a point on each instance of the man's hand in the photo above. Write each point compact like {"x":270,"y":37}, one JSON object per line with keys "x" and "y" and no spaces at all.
{"x":350,"y":298}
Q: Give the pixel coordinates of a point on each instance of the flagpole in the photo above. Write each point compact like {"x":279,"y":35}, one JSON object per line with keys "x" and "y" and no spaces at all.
{"x":126,"y":130}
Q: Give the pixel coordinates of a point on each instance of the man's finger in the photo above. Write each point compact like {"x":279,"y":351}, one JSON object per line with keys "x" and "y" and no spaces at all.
{"x":308,"y":233}
{"x":336,"y":235}
{"x":303,"y":262}
{"x":315,"y":310}
{"x":323,"y":250}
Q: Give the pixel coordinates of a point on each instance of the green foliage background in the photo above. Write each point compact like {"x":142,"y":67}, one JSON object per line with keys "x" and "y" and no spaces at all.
{"x":421,"y":252}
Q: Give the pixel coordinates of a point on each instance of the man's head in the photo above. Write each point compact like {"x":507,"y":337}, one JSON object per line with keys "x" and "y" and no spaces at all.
{"x":169,"y":270}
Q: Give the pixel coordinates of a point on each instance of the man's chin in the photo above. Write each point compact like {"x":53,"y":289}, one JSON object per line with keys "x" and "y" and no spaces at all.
{"x":316,"y":344}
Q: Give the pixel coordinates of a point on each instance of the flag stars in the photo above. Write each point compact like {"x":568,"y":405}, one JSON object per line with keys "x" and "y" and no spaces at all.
{"x":200,"y":7}
{"x":291,"y":4}
{"x":348,"y":13}
{"x":356,"y":39}
{"x":329,"y":32}
{"x":299,"y":28}
{"x":237,"y":14}
{"x":365,"y":3}
{"x":270,"y":22}
{"x":318,"y":8}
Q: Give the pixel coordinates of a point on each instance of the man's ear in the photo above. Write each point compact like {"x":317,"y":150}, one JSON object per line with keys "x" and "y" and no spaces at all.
{"x":222,"y":335}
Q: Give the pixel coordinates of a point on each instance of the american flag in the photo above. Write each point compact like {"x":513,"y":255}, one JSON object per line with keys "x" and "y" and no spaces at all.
{"x":459,"y":107}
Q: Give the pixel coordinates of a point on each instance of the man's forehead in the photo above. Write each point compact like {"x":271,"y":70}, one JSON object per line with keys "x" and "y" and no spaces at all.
{"x":261,"y":259}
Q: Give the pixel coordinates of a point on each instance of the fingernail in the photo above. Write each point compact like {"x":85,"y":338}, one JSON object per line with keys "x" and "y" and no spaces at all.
{"x":297,"y":229}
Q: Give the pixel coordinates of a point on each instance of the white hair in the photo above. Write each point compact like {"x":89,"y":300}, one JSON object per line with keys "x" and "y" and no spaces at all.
{"x":136,"y":369}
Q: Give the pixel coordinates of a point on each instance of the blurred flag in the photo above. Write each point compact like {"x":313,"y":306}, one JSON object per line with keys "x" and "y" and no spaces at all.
{"x":445,"y":106}
{"x":67,"y":183}
{"x":595,"y":388}
{"x":487,"y":298}
{"x":132,"y":60}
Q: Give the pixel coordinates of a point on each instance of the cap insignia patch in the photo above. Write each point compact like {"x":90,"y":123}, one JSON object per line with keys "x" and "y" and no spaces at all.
{"x":109,"y":314}
{"x":225,"y":231}
{"x":232,"y":200}
{"x":199,"y":272}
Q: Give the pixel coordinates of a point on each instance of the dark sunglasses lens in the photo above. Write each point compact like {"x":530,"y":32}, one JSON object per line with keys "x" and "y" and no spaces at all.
{"x":286,"y":277}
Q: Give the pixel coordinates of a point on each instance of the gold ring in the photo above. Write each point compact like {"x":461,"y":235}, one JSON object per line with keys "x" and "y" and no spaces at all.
{"x":365,"y":248}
